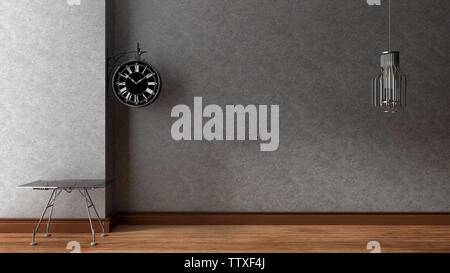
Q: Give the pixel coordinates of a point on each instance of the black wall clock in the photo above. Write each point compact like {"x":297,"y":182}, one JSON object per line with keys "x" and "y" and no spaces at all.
{"x":136,"y":83}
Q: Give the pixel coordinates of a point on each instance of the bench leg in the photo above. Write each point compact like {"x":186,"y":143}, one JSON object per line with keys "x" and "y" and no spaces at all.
{"x":49,"y":204}
{"x":48,"y":234}
{"x":90,"y":204}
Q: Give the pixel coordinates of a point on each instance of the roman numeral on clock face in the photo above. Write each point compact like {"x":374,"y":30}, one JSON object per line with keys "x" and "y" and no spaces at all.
{"x":123,"y":90}
{"x":128,"y":96}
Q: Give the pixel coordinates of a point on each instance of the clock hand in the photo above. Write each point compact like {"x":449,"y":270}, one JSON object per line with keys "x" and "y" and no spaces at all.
{"x":132,"y":80}
{"x":141,"y":79}
{"x":128,"y":77}
{"x":145,"y":77}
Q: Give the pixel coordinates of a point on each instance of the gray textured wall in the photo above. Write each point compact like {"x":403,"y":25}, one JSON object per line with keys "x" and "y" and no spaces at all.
{"x":52,"y":101}
{"x":315,"y":58}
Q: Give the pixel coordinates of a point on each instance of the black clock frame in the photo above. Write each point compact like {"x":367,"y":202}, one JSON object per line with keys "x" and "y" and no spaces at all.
{"x":157,"y":89}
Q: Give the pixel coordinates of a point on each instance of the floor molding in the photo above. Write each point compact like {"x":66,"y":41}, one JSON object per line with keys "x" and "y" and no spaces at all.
{"x":26,"y":225}
{"x":281,"y":218}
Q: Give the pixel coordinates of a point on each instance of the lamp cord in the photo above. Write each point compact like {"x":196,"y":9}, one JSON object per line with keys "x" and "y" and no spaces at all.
{"x":389,"y":25}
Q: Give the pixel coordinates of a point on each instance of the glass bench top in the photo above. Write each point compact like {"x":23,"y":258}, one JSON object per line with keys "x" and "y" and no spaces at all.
{"x":67,"y":183}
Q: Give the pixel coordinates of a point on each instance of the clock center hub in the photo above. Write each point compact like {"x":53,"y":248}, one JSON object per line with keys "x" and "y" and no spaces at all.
{"x":136,"y":83}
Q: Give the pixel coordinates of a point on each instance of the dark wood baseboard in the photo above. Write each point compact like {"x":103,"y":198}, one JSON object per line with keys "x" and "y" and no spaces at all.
{"x":25,"y":225}
{"x":227,"y":218}
{"x":281,"y":218}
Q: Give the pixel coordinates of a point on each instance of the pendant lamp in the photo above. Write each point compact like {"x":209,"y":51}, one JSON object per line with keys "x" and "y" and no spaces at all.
{"x":389,"y":87}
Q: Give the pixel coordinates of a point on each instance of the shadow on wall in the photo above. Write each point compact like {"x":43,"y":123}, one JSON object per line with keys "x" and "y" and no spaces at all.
{"x":119,"y":115}
{"x":122,"y":116}
{"x":117,"y":123}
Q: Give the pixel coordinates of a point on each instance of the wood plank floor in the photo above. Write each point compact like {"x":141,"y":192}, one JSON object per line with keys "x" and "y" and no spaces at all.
{"x":262,"y":238}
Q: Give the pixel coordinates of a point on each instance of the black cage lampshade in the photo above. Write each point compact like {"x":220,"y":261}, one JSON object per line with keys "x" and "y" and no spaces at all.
{"x":389,"y":87}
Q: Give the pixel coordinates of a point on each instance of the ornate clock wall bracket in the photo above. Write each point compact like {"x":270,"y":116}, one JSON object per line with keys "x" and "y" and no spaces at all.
{"x":112,"y":60}
{"x":135,"y":83}
{"x":139,"y":52}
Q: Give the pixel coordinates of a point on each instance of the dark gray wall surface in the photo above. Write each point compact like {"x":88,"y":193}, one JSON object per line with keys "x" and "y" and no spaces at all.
{"x":314,"y":58}
{"x":52,"y":102}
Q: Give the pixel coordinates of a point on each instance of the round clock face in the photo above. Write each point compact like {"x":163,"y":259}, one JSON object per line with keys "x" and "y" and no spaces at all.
{"x":136,"y":83}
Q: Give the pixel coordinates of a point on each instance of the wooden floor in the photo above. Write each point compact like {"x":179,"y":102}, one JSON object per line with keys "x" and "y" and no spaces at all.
{"x":260,"y":238}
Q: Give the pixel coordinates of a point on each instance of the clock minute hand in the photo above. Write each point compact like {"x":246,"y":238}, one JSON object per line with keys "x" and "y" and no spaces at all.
{"x":145,"y":77}
{"x":141,"y":79}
